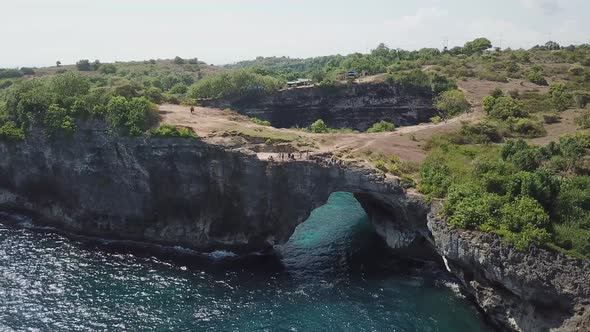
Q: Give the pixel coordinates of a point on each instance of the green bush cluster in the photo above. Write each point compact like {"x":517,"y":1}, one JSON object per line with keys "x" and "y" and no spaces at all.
{"x":234,"y":83}
{"x":319,"y":127}
{"x":260,"y":122}
{"x":170,"y":131}
{"x":527,"y":194}
{"x":54,"y":103}
{"x":381,"y":126}
{"x":452,"y":102}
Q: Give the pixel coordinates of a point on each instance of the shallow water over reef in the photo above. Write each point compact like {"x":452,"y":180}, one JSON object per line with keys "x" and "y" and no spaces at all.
{"x":334,"y":274}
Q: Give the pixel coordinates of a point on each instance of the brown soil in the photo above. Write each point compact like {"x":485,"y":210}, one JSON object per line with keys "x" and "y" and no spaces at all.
{"x":233,"y":130}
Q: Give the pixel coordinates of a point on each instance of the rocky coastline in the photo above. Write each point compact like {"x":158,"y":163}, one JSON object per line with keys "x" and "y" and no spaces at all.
{"x":190,"y":193}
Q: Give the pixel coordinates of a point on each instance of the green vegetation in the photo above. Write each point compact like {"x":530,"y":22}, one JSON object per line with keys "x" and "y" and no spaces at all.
{"x":233,"y":84}
{"x":260,"y":122}
{"x":527,"y":194}
{"x":451,"y":103}
{"x":169,"y":131}
{"x":583,"y":121}
{"x":54,"y":103}
{"x":318,"y":127}
{"x":381,"y":126}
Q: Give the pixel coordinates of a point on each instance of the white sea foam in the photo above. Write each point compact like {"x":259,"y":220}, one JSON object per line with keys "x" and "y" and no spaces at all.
{"x":221,"y":254}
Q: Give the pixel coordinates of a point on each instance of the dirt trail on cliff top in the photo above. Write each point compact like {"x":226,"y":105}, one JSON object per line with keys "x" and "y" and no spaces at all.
{"x":233,"y":130}
{"x":221,"y":127}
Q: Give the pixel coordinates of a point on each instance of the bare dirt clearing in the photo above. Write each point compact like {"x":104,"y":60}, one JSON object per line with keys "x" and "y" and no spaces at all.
{"x":233,"y":130}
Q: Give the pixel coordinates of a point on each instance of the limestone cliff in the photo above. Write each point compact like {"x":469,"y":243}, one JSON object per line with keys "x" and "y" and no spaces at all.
{"x":190,"y":193}
{"x":536,"y":290}
{"x":170,"y":191}
{"x":356,"y":106}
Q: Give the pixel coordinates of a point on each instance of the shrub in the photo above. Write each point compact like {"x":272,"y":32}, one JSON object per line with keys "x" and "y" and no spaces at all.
{"x":154,"y":95}
{"x":551,"y":118}
{"x":57,"y":120}
{"x":234,"y":83}
{"x":134,"y":115}
{"x":497,"y":93}
{"x":178,"y":60}
{"x":169,"y":131}
{"x":10,"y":73}
{"x":260,"y":122}
{"x":381,"y":126}
{"x":581,"y":98}
{"x":480,"y":133}
{"x":525,"y":157}
{"x":179,"y":88}
{"x":524,"y":222}
{"x":27,"y":71}
{"x":108,"y":68}
{"x":528,"y":127}
{"x":318,"y":127}
{"x":435,"y":119}
{"x":537,"y":78}
{"x":583,"y":121}
{"x":576,"y":70}
{"x":441,"y":83}
{"x":507,"y":107}
{"x":10,"y":132}
{"x":83,"y":65}
{"x":488,"y":103}
{"x":559,"y":96}
{"x":415,"y":78}
{"x":434,"y":178}
{"x":451,"y":103}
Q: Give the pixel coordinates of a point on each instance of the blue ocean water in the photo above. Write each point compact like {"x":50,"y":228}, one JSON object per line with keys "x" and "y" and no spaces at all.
{"x":334,"y":274}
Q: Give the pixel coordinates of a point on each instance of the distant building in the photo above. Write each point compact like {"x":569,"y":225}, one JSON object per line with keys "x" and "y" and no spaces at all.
{"x":352,"y":74}
{"x":299,"y":82}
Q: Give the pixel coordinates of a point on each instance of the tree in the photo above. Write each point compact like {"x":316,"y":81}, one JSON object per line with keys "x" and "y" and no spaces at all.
{"x":95,"y":65}
{"x":83,"y":65}
{"x":58,"y":63}
{"x":178,"y":60}
{"x":477,"y":46}
{"x":319,"y":127}
{"x":451,"y":103}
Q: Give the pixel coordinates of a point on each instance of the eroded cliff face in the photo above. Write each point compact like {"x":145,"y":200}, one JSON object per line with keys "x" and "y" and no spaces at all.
{"x":536,"y":290}
{"x":170,"y":191}
{"x":193,"y":194}
{"x":356,"y":106}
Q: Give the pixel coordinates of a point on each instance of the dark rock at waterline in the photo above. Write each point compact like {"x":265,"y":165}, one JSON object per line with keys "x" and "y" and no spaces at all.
{"x":355,"y":106}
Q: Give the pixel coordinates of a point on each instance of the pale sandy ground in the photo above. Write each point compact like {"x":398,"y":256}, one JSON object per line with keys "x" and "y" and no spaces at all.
{"x":230,"y":129}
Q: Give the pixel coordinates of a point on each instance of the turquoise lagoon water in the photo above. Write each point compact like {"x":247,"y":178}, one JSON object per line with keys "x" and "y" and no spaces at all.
{"x":334,"y":274}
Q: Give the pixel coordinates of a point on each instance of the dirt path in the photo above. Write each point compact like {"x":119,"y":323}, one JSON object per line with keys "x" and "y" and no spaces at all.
{"x":231,"y":129}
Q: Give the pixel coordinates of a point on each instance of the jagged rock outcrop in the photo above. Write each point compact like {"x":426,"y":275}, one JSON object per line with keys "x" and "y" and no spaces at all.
{"x":536,"y":290}
{"x":190,"y":193}
{"x":356,"y":106}
{"x":170,"y":191}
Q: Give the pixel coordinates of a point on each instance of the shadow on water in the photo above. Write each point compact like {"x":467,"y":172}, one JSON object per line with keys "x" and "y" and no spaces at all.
{"x":333,"y":274}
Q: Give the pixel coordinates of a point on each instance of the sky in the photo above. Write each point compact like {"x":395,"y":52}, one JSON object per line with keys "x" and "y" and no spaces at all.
{"x":40,"y":32}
